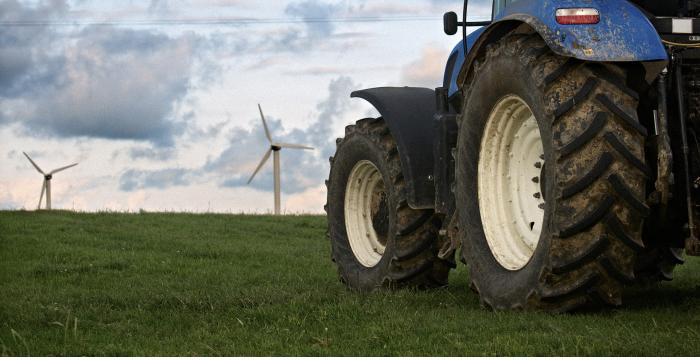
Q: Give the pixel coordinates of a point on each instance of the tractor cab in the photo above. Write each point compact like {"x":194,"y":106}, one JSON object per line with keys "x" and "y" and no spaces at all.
{"x":499,"y":5}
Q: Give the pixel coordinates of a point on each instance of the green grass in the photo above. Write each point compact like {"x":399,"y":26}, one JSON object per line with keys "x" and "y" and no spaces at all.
{"x":169,"y":284}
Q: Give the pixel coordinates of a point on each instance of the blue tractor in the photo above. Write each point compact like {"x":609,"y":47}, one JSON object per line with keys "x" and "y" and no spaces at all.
{"x":560,"y":160}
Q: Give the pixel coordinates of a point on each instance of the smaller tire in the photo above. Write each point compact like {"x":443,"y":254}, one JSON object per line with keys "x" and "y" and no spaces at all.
{"x":377,"y":240}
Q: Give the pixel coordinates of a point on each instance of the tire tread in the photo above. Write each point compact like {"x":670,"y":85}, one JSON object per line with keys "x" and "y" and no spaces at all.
{"x":601,"y":181}
{"x":414,"y":262}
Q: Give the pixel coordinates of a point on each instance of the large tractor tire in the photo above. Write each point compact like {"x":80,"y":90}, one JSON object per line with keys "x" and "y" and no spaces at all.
{"x":551,"y":179}
{"x":377,"y":240}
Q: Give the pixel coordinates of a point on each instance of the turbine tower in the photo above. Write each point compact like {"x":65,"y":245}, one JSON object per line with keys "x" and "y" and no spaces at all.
{"x":274,"y":150}
{"x":46,"y":186}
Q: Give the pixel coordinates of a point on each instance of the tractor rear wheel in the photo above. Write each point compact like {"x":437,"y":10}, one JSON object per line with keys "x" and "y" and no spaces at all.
{"x":377,"y":240}
{"x":550,"y":179}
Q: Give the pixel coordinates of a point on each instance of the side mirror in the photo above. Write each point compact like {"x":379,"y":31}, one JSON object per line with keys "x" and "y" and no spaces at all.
{"x":450,"y":23}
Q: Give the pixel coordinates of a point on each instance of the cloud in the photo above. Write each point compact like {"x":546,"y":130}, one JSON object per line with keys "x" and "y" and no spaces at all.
{"x":238,"y":161}
{"x":336,"y":70}
{"x":152,"y":153}
{"x":316,"y":30}
{"x":23,"y":62}
{"x":159,"y":6}
{"x":133,"y":180}
{"x":125,"y":84}
{"x":478,"y":9}
{"x":98,"y":82}
{"x":118,"y":84}
{"x":301,"y":170}
{"x":316,"y":14}
{"x":428,"y":70}
{"x":309,"y":201}
{"x":330,"y":111}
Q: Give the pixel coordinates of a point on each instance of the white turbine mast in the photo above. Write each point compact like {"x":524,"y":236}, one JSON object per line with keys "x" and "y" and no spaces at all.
{"x":46,"y":186}
{"x":274,"y":150}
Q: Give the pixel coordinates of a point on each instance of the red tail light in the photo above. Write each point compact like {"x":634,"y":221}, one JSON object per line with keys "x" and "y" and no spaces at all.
{"x":579,"y":16}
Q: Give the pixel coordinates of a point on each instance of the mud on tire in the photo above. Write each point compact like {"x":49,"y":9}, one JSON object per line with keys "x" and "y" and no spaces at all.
{"x":410,"y":236}
{"x":595,"y":176}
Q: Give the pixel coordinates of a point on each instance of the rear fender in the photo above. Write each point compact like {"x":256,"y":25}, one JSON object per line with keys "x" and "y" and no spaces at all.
{"x":409,"y":113}
{"x":624,"y":34}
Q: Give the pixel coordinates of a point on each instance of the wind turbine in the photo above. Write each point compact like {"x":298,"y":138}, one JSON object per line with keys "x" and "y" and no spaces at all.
{"x":274,"y":150}
{"x":46,"y":187}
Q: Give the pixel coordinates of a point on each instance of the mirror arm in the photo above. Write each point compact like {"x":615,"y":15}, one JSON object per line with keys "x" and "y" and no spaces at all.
{"x":475,"y":23}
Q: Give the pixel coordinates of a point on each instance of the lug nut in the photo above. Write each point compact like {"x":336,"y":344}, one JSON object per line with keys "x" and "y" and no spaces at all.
{"x":538,"y":165}
{"x":541,"y":206}
{"x":536,"y":179}
{"x":538,"y":195}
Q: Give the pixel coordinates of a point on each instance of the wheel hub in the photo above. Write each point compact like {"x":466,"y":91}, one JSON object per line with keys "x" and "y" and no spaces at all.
{"x":366,"y":213}
{"x":511,"y":182}
{"x":380,"y":214}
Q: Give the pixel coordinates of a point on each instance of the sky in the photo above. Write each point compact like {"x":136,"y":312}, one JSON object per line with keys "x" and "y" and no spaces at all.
{"x":157,"y":100}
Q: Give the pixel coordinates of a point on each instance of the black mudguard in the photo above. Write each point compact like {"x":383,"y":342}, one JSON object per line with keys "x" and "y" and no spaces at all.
{"x":409,"y":113}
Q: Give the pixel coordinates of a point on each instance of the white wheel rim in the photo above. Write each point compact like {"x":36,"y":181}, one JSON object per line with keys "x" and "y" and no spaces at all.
{"x":510,"y":199}
{"x":365,"y":184}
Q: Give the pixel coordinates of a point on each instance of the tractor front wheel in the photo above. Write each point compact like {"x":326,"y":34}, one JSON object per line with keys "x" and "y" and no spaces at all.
{"x":377,"y":239}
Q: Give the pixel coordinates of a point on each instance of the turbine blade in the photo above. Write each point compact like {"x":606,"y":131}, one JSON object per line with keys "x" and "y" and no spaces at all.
{"x":262,"y":162}
{"x":33,"y":163}
{"x":293,"y":146}
{"x":41,"y":196}
{"x":267,"y":130}
{"x":62,"y":168}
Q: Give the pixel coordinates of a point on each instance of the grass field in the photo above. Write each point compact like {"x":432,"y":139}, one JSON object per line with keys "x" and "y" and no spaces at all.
{"x":168,"y":284}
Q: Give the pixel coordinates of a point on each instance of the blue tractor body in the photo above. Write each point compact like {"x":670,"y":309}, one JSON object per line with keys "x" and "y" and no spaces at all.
{"x":624,"y":34}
